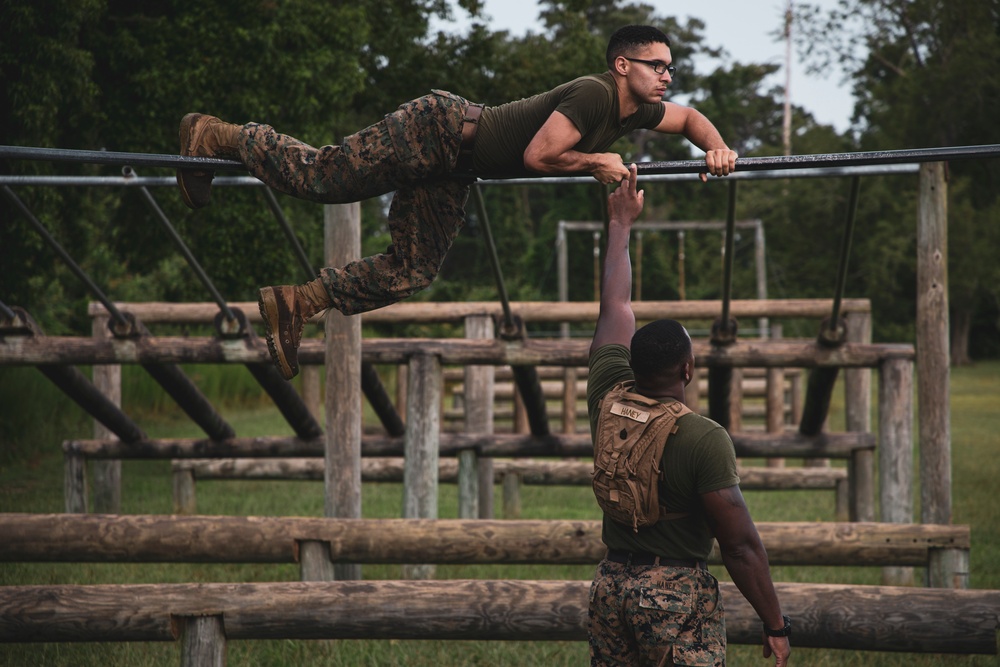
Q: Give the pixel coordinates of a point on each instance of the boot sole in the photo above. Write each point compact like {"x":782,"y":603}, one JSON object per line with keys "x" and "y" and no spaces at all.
{"x":268,"y":305}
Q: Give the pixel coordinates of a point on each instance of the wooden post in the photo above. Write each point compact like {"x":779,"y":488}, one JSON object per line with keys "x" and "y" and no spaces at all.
{"x":948,"y":568}
{"x":796,"y":398}
{"x":569,"y":400}
{"x":185,"y":498}
{"x":857,"y":416}
{"x":736,"y":401}
{"x":843,"y":500}
{"x":932,"y":345}
{"x":342,"y":225}
{"x":203,"y":641}
{"x":895,"y":451}
{"x":775,"y":400}
{"x":75,"y":483}
{"x":107,"y":475}
{"x":475,"y":475}
{"x":314,"y":561}
{"x":423,"y":429}
{"x":692,"y":392}
{"x":512,"y":495}
{"x":401,"y":375}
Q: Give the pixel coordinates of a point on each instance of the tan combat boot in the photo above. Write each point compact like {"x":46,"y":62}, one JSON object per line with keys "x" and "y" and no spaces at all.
{"x":204,"y":136}
{"x":285,"y":309}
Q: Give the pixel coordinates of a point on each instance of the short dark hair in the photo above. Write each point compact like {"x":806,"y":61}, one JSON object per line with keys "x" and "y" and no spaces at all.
{"x":630,"y":38}
{"x":660,"y":348}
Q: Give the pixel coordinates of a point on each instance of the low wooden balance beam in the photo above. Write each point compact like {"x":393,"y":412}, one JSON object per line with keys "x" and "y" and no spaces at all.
{"x":205,"y":616}
{"x":221,"y":539}
{"x":511,"y":474}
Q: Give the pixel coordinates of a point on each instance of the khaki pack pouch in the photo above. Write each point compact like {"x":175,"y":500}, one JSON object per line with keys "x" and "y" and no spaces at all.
{"x":632,"y":431}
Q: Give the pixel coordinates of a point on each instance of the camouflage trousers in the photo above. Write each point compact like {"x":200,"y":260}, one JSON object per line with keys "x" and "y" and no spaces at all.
{"x":652,"y":615}
{"x":411,"y":152}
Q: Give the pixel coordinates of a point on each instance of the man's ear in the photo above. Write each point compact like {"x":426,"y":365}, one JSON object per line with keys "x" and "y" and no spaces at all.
{"x":621,"y":65}
{"x":688,"y":372}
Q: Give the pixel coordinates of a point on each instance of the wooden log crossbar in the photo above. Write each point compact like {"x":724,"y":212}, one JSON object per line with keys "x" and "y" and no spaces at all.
{"x":790,"y":444}
{"x":533,"y":472}
{"x":529,"y":311}
{"x":230,"y":539}
{"x":29,"y":351}
{"x":511,"y":474}
{"x":865,"y":618}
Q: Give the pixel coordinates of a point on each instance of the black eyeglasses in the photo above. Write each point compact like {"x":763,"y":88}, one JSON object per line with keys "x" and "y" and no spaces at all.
{"x":658,"y":66}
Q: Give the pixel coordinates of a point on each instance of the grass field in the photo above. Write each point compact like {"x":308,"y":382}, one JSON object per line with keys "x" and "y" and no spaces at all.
{"x":31,"y":481}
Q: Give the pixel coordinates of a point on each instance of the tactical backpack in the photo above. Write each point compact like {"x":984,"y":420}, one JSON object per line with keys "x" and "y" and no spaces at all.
{"x":631,"y":433}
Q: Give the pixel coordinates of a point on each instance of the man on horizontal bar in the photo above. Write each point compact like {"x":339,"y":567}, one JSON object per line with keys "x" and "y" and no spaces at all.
{"x":426,"y":151}
{"x":653,"y":601}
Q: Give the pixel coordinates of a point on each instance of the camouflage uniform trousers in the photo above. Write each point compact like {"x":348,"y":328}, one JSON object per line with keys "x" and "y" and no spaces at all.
{"x":411,"y":151}
{"x":655,"y":615}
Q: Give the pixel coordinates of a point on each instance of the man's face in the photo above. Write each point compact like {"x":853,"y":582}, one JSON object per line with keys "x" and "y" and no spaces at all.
{"x":643,"y":81}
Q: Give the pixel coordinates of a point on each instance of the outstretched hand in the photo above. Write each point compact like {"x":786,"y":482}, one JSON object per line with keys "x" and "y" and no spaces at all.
{"x":625,"y":203}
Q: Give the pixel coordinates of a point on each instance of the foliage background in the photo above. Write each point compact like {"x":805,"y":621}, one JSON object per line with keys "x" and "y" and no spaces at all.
{"x":106,"y":74}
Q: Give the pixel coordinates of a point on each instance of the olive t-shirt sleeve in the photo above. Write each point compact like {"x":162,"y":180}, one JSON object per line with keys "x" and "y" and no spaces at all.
{"x":716,"y":461}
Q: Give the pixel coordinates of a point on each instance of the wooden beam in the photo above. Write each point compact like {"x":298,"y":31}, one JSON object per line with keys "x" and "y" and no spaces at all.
{"x":529,"y":311}
{"x":749,"y":445}
{"x":867,"y":618}
{"x":532,"y":472}
{"x":30,"y":351}
{"x":223,"y":539}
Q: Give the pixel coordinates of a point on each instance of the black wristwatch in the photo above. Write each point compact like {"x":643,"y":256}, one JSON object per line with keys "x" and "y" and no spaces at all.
{"x":783,"y":632}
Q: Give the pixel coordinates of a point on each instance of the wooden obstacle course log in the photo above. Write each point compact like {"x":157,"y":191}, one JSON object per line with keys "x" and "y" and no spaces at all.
{"x":867,"y":618}
{"x":747,"y":445}
{"x":19,"y":351}
{"x":528,"y":311}
{"x":532,"y":472}
{"x":217,"y":539}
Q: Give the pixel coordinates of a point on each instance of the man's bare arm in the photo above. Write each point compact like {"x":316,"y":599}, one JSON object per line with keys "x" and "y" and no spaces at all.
{"x":616,"y":321}
{"x":700,"y":131}
{"x":551,"y":152}
{"x":746,"y":560}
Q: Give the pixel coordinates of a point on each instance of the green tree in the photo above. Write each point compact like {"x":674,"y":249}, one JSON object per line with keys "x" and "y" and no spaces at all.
{"x":926,"y":73}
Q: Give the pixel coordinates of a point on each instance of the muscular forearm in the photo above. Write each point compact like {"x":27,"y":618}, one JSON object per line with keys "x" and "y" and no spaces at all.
{"x":700,"y":131}
{"x":748,"y":567}
{"x":616,"y":283}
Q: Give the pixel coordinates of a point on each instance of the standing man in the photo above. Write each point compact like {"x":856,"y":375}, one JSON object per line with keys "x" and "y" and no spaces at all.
{"x":653,"y":602}
{"x":426,"y":151}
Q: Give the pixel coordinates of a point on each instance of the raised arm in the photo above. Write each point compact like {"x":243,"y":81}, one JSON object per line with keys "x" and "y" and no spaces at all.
{"x":699,"y":130}
{"x":616,"y":321}
{"x":746,"y":560}
{"x":551,"y":152}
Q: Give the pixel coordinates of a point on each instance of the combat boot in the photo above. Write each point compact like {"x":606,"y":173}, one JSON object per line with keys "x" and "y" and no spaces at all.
{"x":204,"y":136}
{"x":285,"y":309}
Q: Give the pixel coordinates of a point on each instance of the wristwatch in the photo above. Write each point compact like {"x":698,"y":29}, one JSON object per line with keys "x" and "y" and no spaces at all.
{"x":786,"y":631}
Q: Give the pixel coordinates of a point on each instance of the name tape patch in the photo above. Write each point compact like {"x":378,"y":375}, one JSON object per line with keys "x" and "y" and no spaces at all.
{"x":628,"y":412}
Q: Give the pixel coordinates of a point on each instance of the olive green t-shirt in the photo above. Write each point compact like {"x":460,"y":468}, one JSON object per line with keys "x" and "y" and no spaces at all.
{"x":699,"y":458}
{"x":591,"y":102}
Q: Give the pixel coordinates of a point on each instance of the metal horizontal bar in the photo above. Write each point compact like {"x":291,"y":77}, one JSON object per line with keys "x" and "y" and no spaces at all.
{"x":755,"y":164}
{"x":711,"y":225}
{"x":763,"y":175}
{"x":121,"y":181}
{"x":116,"y":158}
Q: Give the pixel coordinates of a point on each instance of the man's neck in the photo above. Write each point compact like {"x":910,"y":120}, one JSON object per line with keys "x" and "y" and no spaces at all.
{"x":627,"y":104}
